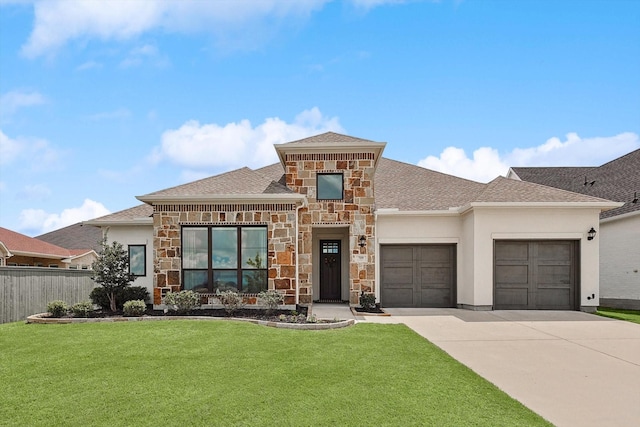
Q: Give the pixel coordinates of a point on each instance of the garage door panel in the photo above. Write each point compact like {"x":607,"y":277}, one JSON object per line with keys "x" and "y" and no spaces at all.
{"x":512,"y":251}
{"x":436,"y":298}
{"x":512,"y":274}
{"x":439,"y":276}
{"x":513,"y":299}
{"x":435,"y":255}
{"x":553,"y":299}
{"x":398,"y":297}
{"x":554,"y":275}
{"x":398,"y":254}
{"x":399,"y":275}
{"x":556,"y":252}
{"x":546,"y":279}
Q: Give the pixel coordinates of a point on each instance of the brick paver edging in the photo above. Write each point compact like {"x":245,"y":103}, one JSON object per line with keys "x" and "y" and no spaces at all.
{"x":43,"y":318}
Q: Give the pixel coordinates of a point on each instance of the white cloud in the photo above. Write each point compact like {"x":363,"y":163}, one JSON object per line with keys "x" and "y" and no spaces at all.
{"x":33,"y":153}
{"x":89,"y":65}
{"x":206,"y":146}
{"x":147,"y":52}
{"x":60,"y":21}
{"x":13,"y":100}
{"x":42,"y":222}
{"x":486,"y":163}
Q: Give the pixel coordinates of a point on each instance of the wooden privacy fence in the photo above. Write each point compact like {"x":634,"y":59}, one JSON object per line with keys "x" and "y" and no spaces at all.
{"x":27,"y":290}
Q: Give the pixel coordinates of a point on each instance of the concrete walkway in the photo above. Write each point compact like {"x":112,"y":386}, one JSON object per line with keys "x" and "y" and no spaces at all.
{"x":572,"y":368}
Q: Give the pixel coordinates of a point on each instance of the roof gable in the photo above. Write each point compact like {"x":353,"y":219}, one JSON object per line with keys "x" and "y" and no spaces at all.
{"x":503,"y":190}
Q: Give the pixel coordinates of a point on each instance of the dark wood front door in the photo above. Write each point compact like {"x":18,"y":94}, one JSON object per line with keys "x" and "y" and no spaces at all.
{"x":330,"y":269}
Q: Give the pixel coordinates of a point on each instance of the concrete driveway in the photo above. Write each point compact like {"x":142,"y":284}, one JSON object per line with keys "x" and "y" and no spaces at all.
{"x":572,"y":368}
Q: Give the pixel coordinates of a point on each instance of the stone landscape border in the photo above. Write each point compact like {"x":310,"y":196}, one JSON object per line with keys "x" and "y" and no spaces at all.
{"x":43,"y":318}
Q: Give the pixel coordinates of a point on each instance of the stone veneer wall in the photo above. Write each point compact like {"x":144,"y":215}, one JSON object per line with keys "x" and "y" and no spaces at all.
{"x":355,"y":210}
{"x":281,"y":234}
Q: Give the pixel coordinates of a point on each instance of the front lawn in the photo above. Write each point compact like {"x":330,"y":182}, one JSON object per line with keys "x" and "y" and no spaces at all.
{"x":207,"y":373}
{"x":615,"y":313}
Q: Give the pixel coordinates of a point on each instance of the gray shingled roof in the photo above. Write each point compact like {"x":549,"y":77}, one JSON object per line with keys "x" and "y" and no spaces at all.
{"x":239,"y":181}
{"x":412,"y":188}
{"x":135,"y":213}
{"x":616,"y":180}
{"x":76,"y":236}
{"x":505,"y":190}
{"x":330,"y":137}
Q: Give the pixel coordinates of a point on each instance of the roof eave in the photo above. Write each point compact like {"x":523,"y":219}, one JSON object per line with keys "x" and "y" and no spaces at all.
{"x":135,"y":221}
{"x":63,"y":258}
{"x":603,"y":206}
{"x":342,"y":147}
{"x":398,"y":212}
{"x":223,"y":198}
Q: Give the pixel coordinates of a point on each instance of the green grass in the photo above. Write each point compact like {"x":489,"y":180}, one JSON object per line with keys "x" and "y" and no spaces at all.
{"x":183,"y":373}
{"x":615,"y":313}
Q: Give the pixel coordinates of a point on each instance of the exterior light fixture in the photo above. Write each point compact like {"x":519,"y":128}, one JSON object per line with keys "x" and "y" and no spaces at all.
{"x":362,"y":241}
{"x":591,"y":234}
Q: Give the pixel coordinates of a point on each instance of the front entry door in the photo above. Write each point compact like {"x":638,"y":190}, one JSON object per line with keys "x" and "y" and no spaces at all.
{"x":330,"y":270}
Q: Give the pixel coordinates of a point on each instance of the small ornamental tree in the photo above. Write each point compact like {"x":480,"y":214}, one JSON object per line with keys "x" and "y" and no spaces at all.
{"x":111,"y":270}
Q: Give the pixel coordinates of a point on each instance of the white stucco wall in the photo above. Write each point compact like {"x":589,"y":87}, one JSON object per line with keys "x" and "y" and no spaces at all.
{"x":136,"y":235}
{"x":474,"y":233}
{"x":533,"y":224}
{"x":620,"y":257}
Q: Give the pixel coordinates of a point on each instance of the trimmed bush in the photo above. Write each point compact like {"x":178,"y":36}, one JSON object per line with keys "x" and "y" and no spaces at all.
{"x":231,"y":300}
{"x":271,"y":299}
{"x":134,"y":308}
{"x":57,"y":308}
{"x":82,"y":309}
{"x":183,"y":301}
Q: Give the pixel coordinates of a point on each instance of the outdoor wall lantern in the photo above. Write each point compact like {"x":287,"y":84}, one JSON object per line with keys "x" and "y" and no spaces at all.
{"x":362,"y":241}
{"x":591,"y":234}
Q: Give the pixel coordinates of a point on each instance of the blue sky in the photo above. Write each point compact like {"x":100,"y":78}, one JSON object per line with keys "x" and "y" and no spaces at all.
{"x":104,"y":101}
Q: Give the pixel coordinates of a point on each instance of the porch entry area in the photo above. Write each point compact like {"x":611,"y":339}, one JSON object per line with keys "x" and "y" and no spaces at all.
{"x":331,"y":265}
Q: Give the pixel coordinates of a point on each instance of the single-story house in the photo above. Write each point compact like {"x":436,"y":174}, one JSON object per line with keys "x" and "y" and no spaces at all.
{"x":333,"y":219}
{"x":18,"y":250}
{"x":619,"y":231}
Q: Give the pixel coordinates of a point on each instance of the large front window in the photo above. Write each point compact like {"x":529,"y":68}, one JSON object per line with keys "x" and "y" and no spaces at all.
{"x":224,"y":258}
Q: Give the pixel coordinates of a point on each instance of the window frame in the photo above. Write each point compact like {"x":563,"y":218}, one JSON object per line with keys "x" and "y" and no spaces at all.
{"x":144,"y":263}
{"x":240,"y":268}
{"x":321,"y":174}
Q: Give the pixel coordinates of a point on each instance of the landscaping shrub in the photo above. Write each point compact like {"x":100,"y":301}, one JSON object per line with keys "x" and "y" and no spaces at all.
{"x":100,"y":298}
{"x":367,"y":301}
{"x":134,"y":308}
{"x":57,"y":308}
{"x":82,"y":309}
{"x":271,"y":299}
{"x":183,"y":301}
{"x":231,"y":300}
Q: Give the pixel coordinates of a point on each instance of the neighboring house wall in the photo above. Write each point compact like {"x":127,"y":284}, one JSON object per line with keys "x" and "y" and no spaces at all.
{"x":29,"y":261}
{"x":525,"y":224}
{"x":136,"y":235}
{"x":620,"y":261}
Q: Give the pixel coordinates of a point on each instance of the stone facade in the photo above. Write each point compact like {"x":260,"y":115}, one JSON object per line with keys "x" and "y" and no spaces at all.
{"x":279,"y":218}
{"x":355,"y":210}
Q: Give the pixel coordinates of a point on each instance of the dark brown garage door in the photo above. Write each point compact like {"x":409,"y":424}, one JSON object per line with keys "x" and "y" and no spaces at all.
{"x":535,"y":275}
{"x":417,"y":276}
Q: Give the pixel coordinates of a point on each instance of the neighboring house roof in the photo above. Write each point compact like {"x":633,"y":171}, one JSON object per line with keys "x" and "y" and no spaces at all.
{"x":19,"y":244}
{"x":76,"y":236}
{"x":617,"y":180}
